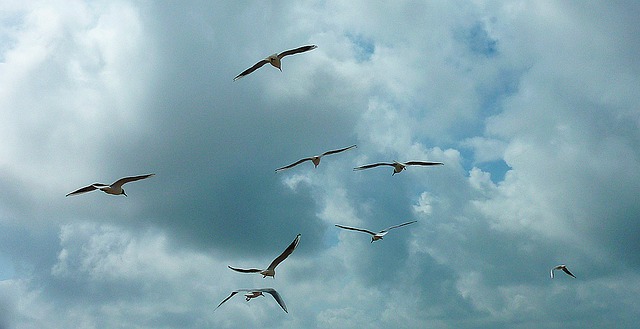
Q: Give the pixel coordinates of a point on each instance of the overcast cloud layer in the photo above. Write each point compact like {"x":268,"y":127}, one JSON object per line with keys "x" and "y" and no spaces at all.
{"x":533,"y":106}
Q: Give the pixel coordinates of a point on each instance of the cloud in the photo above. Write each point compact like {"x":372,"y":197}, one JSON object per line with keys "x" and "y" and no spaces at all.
{"x":532,"y":107}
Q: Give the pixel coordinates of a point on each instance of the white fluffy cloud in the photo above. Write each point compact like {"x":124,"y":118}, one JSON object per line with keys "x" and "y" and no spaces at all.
{"x":533,"y":108}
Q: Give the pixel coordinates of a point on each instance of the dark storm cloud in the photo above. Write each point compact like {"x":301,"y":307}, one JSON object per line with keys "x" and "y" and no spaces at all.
{"x":538,"y":96}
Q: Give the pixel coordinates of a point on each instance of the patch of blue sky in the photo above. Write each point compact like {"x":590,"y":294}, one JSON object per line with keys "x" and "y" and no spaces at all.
{"x":505,"y":83}
{"x":497,"y":168}
{"x":478,"y":41}
{"x":364,"y":47}
{"x":330,"y":237}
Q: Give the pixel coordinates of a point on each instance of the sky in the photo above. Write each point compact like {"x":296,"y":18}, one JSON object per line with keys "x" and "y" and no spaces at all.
{"x":532,"y":106}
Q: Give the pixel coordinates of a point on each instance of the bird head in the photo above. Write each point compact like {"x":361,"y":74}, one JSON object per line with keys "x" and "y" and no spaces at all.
{"x":398,"y":167}
{"x":275,"y":61}
{"x":125,"y":194}
{"x":397,"y":171}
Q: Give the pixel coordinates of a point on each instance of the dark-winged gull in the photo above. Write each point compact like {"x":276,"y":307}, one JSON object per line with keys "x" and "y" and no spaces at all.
{"x":253,"y":293}
{"x":115,"y":188}
{"x":563,"y":268}
{"x":375,"y":236}
{"x":275,"y":60}
{"x":399,"y":166}
{"x":316,"y":158}
{"x":271,"y":270}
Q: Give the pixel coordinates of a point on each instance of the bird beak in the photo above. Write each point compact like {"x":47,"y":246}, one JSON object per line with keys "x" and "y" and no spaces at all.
{"x":125,"y":194}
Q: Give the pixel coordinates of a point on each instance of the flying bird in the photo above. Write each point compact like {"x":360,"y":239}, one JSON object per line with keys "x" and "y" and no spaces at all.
{"x":271,"y":270}
{"x":316,"y":158}
{"x":375,"y":236}
{"x":275,"y":60}
{"x":399,"y":166}
{"x":563,"y":268}
{"x":115,"y":188}
{"x":253,"y":293}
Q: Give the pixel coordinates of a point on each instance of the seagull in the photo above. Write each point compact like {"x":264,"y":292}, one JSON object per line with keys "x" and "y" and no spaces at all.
{"x":564,"y":268}
{"x":115,"y":188}
{"x":275,"y":60}
{"x":316,"y":158}
{"x":375,"y":236}
{"x":253,"y":293}
{"x":271,"y":270}
{"x":399,"y":166}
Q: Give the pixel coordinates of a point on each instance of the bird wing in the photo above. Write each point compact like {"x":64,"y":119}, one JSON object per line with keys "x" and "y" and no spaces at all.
{"x":285,"y":253}
{"x":423,"y":163}
{"x":129,"y":179}
{"x":251,"y":69}
{"x":226,"y":299}
{"x":294,"y":164}
{"x":552,"y":273}
{"x":85,"y":189}
{"x":396,"y":226}
{"x":355,"y":229}
{"x":373,"y":165}
{"x":249,"y":270}
{"x":338,"y":151}
{"x":296,"y":51}
{"x":276,"y":296}
{"x":566,"y":270}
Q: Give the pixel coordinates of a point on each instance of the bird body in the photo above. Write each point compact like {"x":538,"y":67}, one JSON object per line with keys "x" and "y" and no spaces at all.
{"x":275,"y":60}
{"x":375,"y":236}
{"x":115,"y":188}
{"x":254,"y":293}
{"x":271,"y":269}
{"x":564,"y":269}
{"x":398,"y":166}
{"x":316,"y":158}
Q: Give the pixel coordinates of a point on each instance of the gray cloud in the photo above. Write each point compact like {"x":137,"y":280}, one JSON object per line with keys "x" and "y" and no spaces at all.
{"x":532,"y":107}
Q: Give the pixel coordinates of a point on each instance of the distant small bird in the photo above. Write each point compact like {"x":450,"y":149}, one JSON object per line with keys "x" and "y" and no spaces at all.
{"x":274,"y":60}
{"x":562,"y":267}
{"x":375,"y":236}
{"x":253,"y":293}
{"x":271,"y":270}
{"x":115,"y":188}
{"x":399,"y":166}
{"x":316,"y":158}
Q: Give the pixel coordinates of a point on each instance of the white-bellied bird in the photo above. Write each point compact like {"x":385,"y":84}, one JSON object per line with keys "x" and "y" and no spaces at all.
{"x":316,"y":158}
{"x":375,"y":236}
{"x":275,"y":60}
{"x":399,"y":166}
{"x":563,"y":268}
{"x":253,"y":293}
{"x":115,"y":188}
{"x":271,"y":270}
